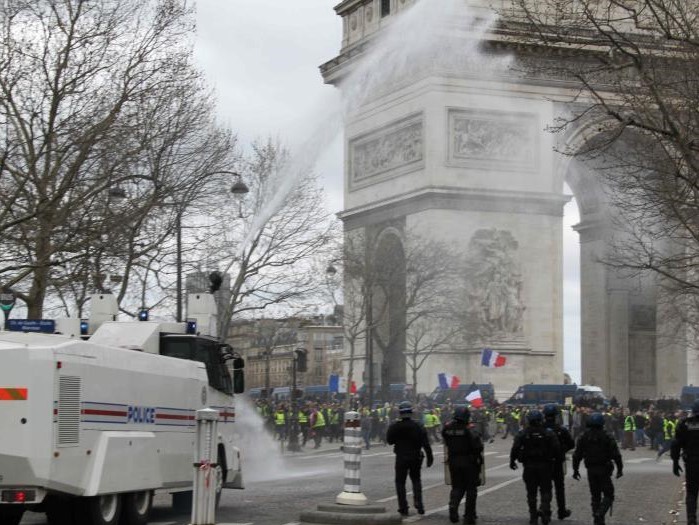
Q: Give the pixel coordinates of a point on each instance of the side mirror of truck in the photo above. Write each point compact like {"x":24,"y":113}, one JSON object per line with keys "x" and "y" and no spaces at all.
{"x":238,"y":381}
{"x":238,"y":374}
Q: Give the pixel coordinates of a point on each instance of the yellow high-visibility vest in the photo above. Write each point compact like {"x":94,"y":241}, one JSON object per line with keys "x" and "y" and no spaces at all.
{"x":320,"y":420}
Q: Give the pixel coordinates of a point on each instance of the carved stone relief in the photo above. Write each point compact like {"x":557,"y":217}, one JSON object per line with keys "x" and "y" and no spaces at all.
{"x":390,"y":151}
{"x":493,"y":139}
{"x":493,"y":283}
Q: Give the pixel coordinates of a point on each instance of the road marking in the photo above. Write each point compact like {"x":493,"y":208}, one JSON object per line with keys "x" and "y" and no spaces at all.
{"x":503,"y":456}
{"x":249,"y":523}
{"x":446,"y":507}
{"x":364,"y":455}
{"x":321,"y":456}
{"x":428,"y":487}
{"x":491,"y":453}
{"x":637,"y":460}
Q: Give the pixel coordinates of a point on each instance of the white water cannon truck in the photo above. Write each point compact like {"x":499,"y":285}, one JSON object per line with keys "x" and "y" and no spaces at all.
{"x":91,"y":427}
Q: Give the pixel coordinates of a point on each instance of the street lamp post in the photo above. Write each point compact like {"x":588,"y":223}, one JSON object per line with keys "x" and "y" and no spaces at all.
{"x":298,"y":364}
{"x":294,"y":430}
{"x":178,"y":225}
{"x":370,"y":347}
{"x":238,"y":188}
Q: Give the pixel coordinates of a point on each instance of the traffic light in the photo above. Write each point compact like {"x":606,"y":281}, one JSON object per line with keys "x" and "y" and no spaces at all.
{"x":143,"y":314}
{"x":301,"y":362}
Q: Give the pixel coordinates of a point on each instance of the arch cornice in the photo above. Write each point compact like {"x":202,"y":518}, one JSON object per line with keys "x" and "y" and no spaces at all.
{"x":452,"y":198}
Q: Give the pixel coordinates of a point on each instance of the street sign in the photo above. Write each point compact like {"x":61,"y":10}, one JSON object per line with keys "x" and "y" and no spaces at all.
{"x":46,"y":326}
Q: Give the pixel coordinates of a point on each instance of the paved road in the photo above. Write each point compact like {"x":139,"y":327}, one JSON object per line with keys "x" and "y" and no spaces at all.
{"x":280,"y":486}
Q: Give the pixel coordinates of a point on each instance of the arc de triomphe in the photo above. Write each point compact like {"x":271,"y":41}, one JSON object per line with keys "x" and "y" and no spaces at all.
{"x":458,"y":156}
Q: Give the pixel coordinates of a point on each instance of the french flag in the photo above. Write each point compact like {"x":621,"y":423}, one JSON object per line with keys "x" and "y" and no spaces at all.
{"x":448,"y":380}
{"x":492,"y":359}
{"x":475,"y":399}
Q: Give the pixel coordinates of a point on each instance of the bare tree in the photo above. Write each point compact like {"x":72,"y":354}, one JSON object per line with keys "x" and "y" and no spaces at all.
{"x":350,"y":284}
{"x":398,"y":300}
{"x":427,"y":335}
{"x":268,"y":240}
{"x":416,"y":285}
{"x":270,"y":334}
{"x":636,"y":63}
{"x":97,"y":99}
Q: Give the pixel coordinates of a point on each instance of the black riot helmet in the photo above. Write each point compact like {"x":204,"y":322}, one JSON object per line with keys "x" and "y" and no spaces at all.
{"x":535,"y":418}
{"x":405,"y":409}
{"x":550,"y":411}
{"x":462,"y":414}
{"x":596,"y":420}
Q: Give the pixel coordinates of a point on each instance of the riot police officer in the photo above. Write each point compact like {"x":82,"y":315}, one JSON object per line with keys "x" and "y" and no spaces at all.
{"x":465,"y":456}
{"x":566,"y":443}
{"x":686,"y":444}
{"x":536,"y":447}
{"x":600,"y":452}
{"x":408,"y":438}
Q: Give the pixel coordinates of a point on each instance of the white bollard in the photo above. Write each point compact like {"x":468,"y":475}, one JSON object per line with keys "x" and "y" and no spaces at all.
{"x":204,"y":500}
{"x":352,"y":448}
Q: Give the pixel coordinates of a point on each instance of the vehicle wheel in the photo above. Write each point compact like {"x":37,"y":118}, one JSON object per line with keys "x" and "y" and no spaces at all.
{"x":136,"y":507}
{"x":61,"y":511}
{"x":100,"y":510}
{"x":11,"y":514}
{"x":182,"y":501}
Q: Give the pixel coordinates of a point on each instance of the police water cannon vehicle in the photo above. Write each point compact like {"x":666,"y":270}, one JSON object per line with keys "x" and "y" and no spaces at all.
{"x":91,"y":429}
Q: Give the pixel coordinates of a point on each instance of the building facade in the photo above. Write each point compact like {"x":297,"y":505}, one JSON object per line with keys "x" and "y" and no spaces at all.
{"x":446,"y":138}
{"x":268,"y":347}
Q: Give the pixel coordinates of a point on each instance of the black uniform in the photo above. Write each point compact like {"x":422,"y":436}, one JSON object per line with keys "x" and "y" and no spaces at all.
{"x":566,"y":443}
{"x":686,"y":444}
{"x":536,"y":447}
{"x":600,"y":451}
{"x":465,"y":450}
{"x":408,"y":438}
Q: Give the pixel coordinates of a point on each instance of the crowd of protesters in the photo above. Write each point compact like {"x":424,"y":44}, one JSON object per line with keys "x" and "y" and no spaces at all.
{"x":640,"y":424}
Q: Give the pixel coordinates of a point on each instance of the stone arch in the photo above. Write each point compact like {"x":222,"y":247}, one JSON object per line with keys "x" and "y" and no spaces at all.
{"x":617,"y":308}
{"x":388,"y":261}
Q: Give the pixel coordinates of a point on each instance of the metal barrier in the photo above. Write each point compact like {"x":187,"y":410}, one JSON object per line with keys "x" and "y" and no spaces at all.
{"x":352,"y":448}
{"x":205,"y":478}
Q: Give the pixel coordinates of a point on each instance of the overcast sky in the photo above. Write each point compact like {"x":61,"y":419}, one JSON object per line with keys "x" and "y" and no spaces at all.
{"x":262,"y":57}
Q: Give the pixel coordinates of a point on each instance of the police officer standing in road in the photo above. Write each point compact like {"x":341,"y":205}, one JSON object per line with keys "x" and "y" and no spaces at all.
{"x":566,"y":443}
{"x":686,"y":444}
{"x":536,"y":447}
{"x":409,"y":438}
{"x":600,"y":452}
{"x":465,"y":456}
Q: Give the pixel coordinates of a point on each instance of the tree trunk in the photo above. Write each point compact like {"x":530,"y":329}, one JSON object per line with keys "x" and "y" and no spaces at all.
{"x":37,"y":292}
{"x":414,"y":381}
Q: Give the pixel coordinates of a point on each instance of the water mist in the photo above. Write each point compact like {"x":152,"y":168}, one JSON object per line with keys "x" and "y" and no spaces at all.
{"x":261,"y":454}
{"x":430,"y":38}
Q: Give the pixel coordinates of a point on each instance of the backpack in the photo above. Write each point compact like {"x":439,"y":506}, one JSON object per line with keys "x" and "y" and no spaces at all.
{"x":536,"y":445}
